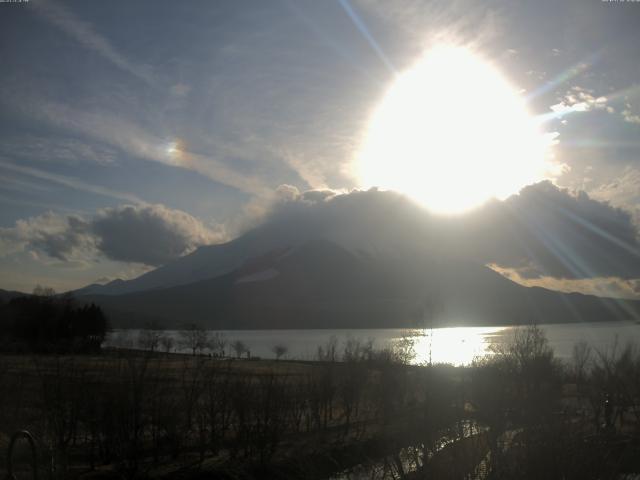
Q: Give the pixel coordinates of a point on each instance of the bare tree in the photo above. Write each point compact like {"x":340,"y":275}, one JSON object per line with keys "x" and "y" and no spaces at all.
{"x":239,"y":347}
{"x":350,"y":389}
{"x":356,"y":350}
{"x":580,"y":360}
{"x":216,"y":344}
{"x":328,"y":352}
{"x":61,"y":397}
{"x":149,"y":339}
{"x":167,"y":342}
{"x":403,"y":350}
{"x":279,"y":350}
{"x":194,"y":338}
{"x":40,"y":291}
{"x":615,"y":383}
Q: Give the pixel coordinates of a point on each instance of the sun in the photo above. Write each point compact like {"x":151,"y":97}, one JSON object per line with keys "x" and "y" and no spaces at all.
{"x":452,"y":133}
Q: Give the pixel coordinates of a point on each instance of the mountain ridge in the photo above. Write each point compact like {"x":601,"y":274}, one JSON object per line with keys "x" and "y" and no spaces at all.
{"x":360,"y":260}
{"x":320,"y":284}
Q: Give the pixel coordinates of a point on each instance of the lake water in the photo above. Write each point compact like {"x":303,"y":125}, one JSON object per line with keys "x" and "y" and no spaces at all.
{"x":455,"y":345}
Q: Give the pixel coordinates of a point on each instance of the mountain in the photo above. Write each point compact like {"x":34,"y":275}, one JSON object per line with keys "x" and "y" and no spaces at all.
{"x":359,"y":222}
{"x":364,"y":259}
{"x":204,"y":263}
{"x":320,"y":284}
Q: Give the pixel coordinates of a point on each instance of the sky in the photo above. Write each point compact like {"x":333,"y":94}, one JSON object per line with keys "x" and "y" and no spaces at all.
{"x":133,"y":132}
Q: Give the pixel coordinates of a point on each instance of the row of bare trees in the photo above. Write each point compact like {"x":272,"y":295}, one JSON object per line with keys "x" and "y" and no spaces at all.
{"x":191,"y":338}
{"x":140,"y":410}
{"x":196,"y":340}
{"x":516,"y":413}
{"x":136,"y":410}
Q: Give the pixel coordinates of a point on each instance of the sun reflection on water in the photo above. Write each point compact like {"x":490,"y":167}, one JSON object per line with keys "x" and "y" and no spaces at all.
{"x":456,"y":346}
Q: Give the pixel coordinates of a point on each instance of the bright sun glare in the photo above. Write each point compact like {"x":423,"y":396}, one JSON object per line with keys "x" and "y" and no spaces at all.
{"x":452,"y":133}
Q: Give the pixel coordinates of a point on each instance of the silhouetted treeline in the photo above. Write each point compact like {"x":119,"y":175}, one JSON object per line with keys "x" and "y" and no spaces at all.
{"x":44,"y":322}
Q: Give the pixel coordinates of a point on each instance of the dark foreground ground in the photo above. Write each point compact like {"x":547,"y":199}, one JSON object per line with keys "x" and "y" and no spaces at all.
{"x":519,"y":414}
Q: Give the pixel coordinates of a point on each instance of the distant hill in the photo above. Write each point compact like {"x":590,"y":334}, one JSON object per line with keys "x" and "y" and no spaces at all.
{"x":319,"y":284}
{"x":6,"y":295}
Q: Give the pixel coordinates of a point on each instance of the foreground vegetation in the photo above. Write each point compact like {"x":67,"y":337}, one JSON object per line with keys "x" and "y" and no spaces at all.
{"x":516,"y":414}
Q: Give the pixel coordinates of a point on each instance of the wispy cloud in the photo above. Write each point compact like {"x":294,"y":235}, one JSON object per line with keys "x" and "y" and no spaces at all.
{"x":39,"y":205}
{"x":622,"y":191}
{"x":312,"y":173}
{"x":20,"y":185}
{"x":63,"y":18}
{"x":119,"y":132}
{"x":58,"y":150}
{"x":71,"y":182}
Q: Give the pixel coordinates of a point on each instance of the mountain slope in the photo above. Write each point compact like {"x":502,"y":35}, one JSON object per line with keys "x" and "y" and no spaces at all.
{"x":363,"y":221}
{"x":6,"y":295}
{"x":366,"y":259}
{"x":204,"y":263}
{"x":320,"y":284}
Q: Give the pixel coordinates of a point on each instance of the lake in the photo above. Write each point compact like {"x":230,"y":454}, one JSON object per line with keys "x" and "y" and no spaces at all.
{"x":454,"y":345}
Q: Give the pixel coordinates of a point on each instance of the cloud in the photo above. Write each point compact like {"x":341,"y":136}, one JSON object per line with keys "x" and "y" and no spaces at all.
{"x":316,"y":196}
{"x":82,"y":31}
{"x":119,"y":132}
{"x":146,"y":234}
{"x":312,"y":172}
{"x":61,"y":237}
{"x":70,"y":182}
{"x":59,"y":150}
{"x":556,"y":233}
{"x":544,"y":235}
{"x":601,"y":286}
{"x":622,"y":191}
{"x":544,"y":231}
{"x":579,"y":99}
{"x":151,"y":234}
{"x":287,"y":192}
{"x":360,"y":220}
{"x":629,"y":116}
